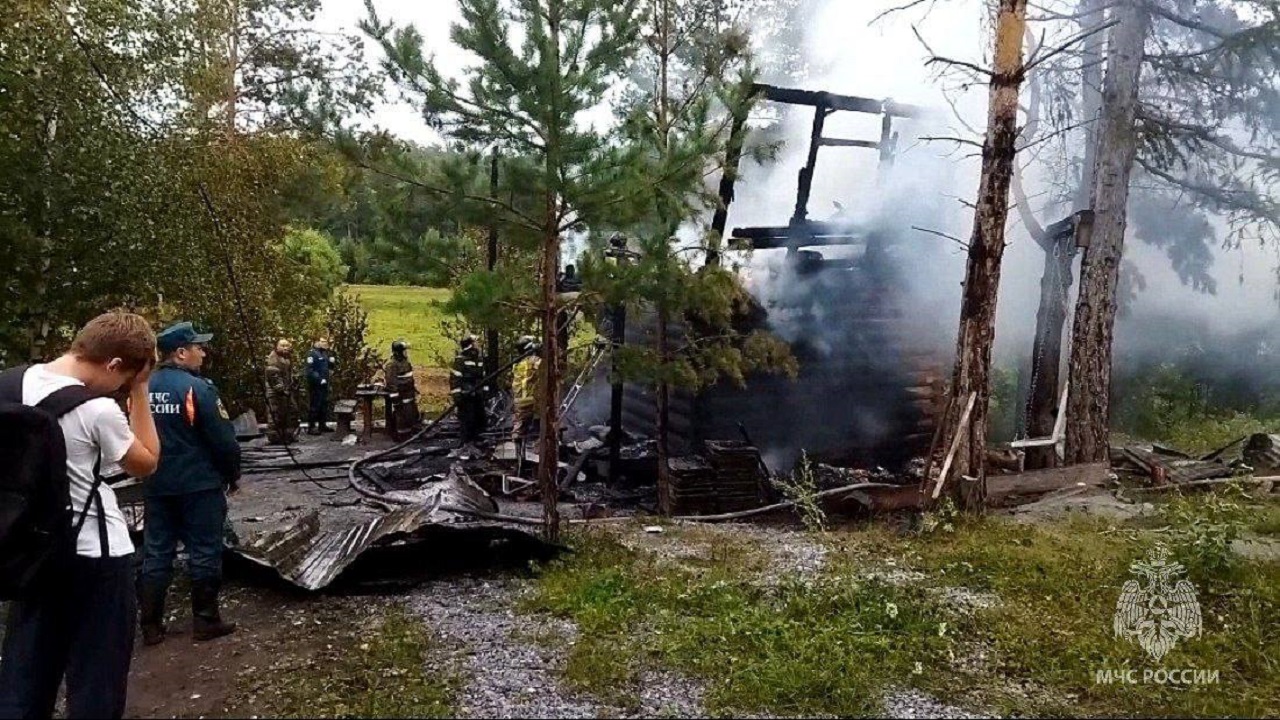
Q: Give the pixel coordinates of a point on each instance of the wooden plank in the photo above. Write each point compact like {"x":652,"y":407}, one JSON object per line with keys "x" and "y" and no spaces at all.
{"x":961,"y":428}
{"x":1002,"y":488}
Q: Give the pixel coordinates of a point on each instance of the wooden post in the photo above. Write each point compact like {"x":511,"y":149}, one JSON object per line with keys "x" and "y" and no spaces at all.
{"x":801,"y":213}
{"x":728,"y":178}
{"x":1057,"y":279}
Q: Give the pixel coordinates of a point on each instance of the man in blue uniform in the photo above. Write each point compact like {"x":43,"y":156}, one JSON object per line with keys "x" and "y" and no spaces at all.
{"x":319,"y":365}
{"x":186,"y":497}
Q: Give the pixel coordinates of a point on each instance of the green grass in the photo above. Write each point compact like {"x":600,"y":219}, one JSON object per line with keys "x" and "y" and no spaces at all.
{"x":381,"y":671}
{"x":829,"y":647}
{"x":416,"y":315}
{"x":413,"y":314}
{"x":833,"y":645}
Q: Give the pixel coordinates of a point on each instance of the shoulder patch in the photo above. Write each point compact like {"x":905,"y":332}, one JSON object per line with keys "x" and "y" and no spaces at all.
{"x":222,"y":410}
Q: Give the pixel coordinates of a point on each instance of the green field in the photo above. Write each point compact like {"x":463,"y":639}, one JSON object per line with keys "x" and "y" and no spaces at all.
{"x":413,"y":314}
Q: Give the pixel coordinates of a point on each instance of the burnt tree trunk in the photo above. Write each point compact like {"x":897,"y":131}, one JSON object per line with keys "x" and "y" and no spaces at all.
{"x":1055,"y":284}
{"x":986,"y":250}
{"x":1089,"y":406}
{"x":1046,"y":350}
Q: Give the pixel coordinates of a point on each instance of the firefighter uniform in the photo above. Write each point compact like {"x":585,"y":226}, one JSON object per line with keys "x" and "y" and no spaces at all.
{"x":469,"y":392}
{"x":281,"y":383}
{"x":525,"y":388}
{"x":185,"y":498}
{"x":320,"y":363}
{"x":398,"y":376}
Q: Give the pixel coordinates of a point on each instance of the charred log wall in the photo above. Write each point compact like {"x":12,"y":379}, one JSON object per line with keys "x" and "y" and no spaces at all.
{"x":868,"y":389}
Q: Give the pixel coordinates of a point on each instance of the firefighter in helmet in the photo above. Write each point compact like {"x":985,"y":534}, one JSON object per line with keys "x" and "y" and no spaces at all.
{"x":469,"y":390}
{"x":398,"y":376}
{"x":525,"y":386}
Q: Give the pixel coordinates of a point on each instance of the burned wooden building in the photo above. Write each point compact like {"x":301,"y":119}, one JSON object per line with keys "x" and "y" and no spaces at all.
{"x":870,"y":371}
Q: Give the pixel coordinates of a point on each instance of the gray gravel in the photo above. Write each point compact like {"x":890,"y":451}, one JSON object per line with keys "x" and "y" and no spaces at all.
{"x":511,"y":662}
{"x":511,"y":669}
{"x":915,"y":704}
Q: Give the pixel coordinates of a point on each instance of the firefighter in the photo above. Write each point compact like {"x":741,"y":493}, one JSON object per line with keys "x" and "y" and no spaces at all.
{"x":468,"y":389}
{"x":320,"y":363}
{"x":186,"y":496}
{"x":280,"y":390}
{"x":398,"y":377}
{"x":525,"y":386}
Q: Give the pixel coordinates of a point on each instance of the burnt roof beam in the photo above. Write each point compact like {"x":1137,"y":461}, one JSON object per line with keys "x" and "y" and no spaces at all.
{"x":851,"y":103}
{"x":837,"y":142}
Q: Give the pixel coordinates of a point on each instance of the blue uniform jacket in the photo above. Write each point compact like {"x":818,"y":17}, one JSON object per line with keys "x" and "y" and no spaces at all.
{"x":319,"y":363}
{"x":198,"y":448}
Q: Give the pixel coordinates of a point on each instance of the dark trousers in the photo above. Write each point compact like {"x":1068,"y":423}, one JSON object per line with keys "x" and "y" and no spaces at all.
{"x":319,"y":403}
{"x":472,"y":419}
{"x":284,"y":420}
{"x":197,"y":519}
{"x":84,"y":630}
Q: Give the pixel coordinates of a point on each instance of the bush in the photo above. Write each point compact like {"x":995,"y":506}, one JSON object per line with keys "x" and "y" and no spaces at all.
{"x":317,"y":257}
{"x":347,"y":325}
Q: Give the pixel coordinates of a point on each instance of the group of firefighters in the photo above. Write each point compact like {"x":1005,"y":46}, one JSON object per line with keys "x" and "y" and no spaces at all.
{"x":471,"y":384}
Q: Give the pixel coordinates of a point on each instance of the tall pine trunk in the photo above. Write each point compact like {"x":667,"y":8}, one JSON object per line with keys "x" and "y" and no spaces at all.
{"x":233,"y":64}
{"x":549,"y":265}
{"x":1089,"y":407}
{"x":986,"y":250}
{"x":40,"y":325}
{"x":663,"y":426}
{"x":549,"y":445}
{"x":662,"y":398}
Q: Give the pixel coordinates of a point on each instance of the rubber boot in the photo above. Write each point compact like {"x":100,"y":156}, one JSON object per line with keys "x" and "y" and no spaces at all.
{"x":206,"y":621}
{"x":151,"y":612}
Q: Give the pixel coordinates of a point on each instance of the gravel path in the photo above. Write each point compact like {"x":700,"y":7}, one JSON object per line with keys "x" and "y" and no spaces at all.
{"x":509,"y":674}
{"x":511,"y":662}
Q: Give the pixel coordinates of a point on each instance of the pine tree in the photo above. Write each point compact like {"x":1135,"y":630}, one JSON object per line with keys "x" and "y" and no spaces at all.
{"x":695,"y":70}
{"x":543,"y":63}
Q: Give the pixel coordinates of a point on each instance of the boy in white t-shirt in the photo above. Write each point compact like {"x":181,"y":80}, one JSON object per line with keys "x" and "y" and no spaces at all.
{"x":84,"y":628}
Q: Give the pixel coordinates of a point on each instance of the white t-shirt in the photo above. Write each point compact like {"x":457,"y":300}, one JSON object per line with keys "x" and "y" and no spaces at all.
{"x":97,"y":430}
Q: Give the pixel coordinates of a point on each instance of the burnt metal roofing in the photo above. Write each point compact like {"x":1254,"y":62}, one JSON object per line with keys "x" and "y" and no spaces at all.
{"x":311,"y":556}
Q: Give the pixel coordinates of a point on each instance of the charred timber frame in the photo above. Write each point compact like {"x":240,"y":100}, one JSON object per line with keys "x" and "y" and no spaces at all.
{"x":800,"y":231}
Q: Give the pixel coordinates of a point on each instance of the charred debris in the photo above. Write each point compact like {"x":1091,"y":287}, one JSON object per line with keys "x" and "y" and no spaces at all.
{"x":868,"y":408}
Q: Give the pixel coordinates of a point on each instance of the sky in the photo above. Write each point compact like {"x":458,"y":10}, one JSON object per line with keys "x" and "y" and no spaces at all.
{"x":887,"y":60}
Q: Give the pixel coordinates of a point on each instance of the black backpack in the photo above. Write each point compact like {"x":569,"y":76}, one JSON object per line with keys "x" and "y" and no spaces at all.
{"x":37,"y":532}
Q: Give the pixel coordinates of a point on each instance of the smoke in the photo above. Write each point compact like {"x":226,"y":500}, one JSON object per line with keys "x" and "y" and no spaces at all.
{"x":1171,"y":266}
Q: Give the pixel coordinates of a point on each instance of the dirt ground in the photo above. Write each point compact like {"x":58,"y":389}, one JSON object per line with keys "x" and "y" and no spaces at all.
{"x":181,"y":678}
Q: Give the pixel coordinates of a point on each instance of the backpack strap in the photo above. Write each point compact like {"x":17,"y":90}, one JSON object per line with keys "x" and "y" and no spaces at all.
{"x":11,"y":384}
{"x":64,"y":400}
{"x":94,"y":497}
{"x":59,"y":403}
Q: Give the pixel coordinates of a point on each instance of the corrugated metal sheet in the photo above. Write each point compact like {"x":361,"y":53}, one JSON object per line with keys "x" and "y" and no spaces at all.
{"x":311,"y":556}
